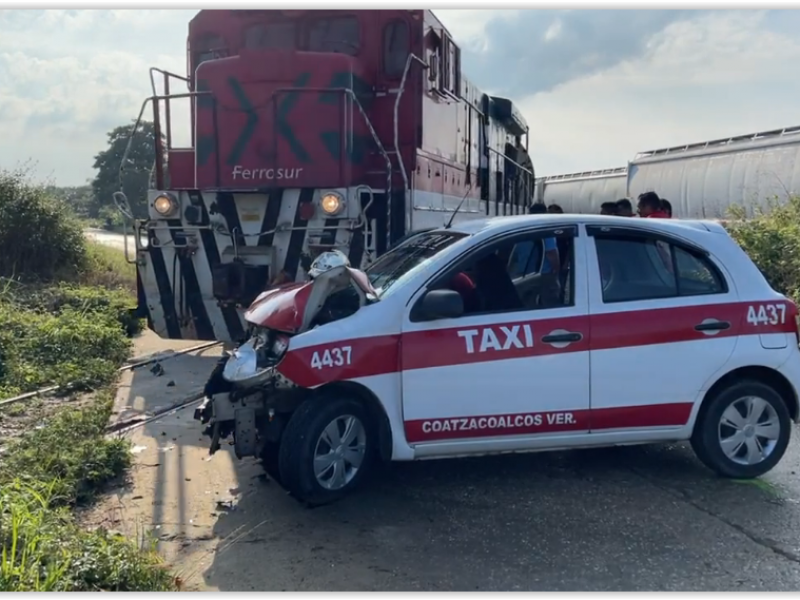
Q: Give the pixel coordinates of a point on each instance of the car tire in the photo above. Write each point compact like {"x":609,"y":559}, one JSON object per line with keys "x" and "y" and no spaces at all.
{"x":723,"y":448}
{"x":270,"y":460}
{"x":307,"y":438}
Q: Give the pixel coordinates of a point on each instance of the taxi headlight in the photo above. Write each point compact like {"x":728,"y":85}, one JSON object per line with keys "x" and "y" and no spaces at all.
{"x":279,"y":346}
{"x":165,"y":205}
{"x":331,"y":203}
{"x":252,"y":362}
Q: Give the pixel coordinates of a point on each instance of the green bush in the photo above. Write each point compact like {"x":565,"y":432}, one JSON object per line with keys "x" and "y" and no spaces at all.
{"x":88,"y":303}
{"x":42,"y":474}
{"x":40,"y":239}
{"x":77,"y":342}
{"x":771,"y":237}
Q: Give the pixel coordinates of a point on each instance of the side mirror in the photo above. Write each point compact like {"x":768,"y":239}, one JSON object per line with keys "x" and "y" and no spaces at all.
{"x":439,"y":304}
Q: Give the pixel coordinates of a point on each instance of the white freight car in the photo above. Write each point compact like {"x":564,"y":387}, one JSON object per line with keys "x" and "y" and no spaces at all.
{"x":701,"y":180}
{"x":583,"y":192}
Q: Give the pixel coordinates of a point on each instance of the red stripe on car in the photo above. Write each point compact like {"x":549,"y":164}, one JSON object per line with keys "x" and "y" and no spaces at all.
{"x":442,"y":347}
{"x":628,"y":417}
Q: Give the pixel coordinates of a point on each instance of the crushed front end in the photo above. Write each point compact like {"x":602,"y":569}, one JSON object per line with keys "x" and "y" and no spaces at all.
{"x":246,"y":396}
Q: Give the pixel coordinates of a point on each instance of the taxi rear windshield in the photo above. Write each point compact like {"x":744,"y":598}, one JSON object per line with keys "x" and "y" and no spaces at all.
{"x":404,"y":260}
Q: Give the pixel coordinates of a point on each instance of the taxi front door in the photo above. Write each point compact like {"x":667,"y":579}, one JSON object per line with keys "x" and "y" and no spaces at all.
{"x":512,"y":375}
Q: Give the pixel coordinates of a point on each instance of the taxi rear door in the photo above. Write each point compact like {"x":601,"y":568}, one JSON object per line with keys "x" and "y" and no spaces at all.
{"x":664,"y":321}
{"x":509,"y":375}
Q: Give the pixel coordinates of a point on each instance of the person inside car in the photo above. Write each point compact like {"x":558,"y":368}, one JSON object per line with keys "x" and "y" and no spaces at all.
{"x":551,"y":266}
{"x":625,"y":208}
{"x":463,"y":284}
{"x":649,"y":206}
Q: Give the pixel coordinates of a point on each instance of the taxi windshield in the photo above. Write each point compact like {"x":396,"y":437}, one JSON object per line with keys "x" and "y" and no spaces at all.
{"x":408,"y":258}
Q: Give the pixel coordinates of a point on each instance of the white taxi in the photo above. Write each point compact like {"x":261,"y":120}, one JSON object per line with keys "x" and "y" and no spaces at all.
{"x":514,"y":334}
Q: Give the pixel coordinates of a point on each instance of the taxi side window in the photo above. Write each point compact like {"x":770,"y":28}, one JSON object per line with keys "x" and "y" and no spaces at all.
{"x":642,"y":268}
{"x":523,"y":273}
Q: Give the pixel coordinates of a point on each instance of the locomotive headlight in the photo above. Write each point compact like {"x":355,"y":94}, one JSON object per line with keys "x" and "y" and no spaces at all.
{"x":165,"y":204}
{"x":331,"y":203}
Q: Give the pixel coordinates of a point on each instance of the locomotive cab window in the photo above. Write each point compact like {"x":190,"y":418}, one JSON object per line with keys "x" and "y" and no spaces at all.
{"x":276,"y":36}
{"x":334,"y":34}
{"x":209,"y":47}
{"x":396,"y":47}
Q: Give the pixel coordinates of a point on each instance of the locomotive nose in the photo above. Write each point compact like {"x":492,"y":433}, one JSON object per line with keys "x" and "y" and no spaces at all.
{"x":290,"y":120}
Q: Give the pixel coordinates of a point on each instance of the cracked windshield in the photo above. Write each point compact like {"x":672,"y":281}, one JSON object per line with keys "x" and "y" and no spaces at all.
{"x":399,"y":299}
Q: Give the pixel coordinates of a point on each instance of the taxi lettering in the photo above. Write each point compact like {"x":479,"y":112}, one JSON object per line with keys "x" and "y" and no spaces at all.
{"x":497,"y":338}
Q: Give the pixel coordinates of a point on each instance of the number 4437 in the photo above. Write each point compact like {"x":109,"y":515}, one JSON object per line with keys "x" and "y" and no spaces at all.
{"x":333,"y":357}
{"x":767,"y":314}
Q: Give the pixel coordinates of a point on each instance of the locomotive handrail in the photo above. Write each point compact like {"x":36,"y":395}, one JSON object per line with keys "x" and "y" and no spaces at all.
{"x":511,"y":160}
{"x":167,"y":112}
{"x":411,"y":58}
{"x":155,"y":100}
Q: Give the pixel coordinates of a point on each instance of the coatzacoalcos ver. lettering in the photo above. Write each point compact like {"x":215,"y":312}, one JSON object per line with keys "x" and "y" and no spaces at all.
{"x":239,"y":172}
{"x":498,"y":422}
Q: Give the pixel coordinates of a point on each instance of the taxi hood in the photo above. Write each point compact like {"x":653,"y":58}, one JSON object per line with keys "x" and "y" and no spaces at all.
{"x":291,"y":308}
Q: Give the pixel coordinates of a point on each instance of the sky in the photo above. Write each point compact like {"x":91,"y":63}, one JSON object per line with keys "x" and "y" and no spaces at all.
{"x":596,"y":86}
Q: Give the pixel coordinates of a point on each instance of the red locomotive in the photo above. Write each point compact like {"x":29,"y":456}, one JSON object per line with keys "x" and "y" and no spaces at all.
{"x":314,"y":130}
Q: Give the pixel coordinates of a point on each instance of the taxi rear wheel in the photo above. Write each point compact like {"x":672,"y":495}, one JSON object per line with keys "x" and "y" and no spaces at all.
{"x":327,"y":449}
{"x":744,"y":431}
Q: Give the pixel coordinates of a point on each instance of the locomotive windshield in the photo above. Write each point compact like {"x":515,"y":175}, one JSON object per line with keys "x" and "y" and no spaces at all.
{"x":321,"y":34}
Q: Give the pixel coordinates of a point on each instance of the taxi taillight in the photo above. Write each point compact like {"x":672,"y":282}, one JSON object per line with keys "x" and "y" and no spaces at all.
{"x":796,"y":315}
{"x":797,"y":328}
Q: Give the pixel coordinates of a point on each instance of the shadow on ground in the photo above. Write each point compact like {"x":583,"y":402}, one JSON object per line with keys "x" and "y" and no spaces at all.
{"x":636,"y":518}
{"x":630,"y":518}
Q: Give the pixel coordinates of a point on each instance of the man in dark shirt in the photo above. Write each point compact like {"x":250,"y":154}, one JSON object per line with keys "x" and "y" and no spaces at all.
{"x":608,"y":208}
{"x":650,"y":206}
{"x":624,"y":208}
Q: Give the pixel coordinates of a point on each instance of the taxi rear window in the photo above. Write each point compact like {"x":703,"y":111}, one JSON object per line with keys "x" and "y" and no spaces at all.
{"x":402,"y":261}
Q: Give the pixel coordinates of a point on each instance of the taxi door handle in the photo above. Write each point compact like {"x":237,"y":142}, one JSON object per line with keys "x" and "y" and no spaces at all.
{"x":555,"y":338}
{"x":715,"y":326}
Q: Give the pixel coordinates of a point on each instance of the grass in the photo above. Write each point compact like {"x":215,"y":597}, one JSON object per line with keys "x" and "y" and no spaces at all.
{"x":43,"y":475}
{"x":108,"y":268}
{"x":64,"y":318}
{"x":68,"y":332}
{"x":56,"y":333}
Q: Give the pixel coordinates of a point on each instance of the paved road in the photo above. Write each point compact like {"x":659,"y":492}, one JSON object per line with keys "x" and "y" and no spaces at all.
{"x":108,"y":238}
{"x":637,"y":518}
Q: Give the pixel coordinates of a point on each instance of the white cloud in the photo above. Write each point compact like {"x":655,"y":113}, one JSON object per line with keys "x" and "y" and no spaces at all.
{"x":68,"y":77}
{"x":712,"y":77}
{"x":468,"y":27}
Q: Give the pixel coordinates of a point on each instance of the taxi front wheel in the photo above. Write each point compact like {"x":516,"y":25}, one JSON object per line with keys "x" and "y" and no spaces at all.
{"x":744,"y":431}
{"x":326,"y":450}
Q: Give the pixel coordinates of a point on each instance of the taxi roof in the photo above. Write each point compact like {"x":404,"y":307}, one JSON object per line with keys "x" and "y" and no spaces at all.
{"x":509,"y":224}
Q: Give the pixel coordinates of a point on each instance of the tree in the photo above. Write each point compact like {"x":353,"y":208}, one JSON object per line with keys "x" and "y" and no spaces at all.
{"x":79,"y":198}
{"x":136,"y":175}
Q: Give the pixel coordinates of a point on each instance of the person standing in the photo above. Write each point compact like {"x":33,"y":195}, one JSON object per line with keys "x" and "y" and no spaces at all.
{"x":649,"y":206}
{"x":608,"y":208}
{"x":625,"y":208}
